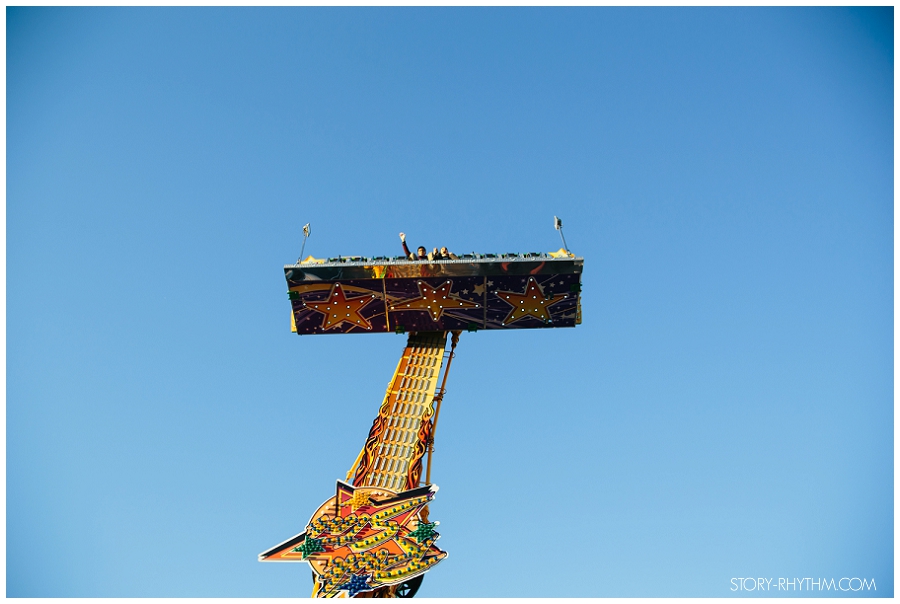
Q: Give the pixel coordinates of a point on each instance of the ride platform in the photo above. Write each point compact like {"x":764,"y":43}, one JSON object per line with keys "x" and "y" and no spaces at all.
{"x":474,"y":292}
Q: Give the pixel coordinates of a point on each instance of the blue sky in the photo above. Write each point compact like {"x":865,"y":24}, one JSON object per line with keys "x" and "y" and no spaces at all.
{"x":725,"y":409}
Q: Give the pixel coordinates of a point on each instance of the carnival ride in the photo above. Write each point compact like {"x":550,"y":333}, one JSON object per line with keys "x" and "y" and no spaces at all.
{"x":374,"y":538}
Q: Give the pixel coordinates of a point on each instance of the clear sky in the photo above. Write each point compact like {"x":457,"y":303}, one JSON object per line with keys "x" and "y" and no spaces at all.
{"x":725,"y":410}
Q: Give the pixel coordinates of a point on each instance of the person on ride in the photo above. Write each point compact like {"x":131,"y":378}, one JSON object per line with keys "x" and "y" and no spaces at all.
{"x":446,"y":255}
{"x":420,"y":252}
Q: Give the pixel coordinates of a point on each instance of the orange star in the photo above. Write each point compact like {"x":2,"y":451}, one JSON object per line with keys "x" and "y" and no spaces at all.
{"x":338,"y":309}
{"x":435,"y":300}
{"x":533,"y":303}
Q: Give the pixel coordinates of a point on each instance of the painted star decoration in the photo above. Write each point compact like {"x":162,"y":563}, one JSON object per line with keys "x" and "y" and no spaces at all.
{"x":356,"y":584}
{"x":435,"y":300}
{"x":357,"y":500}
{"x":423,"y":531}
{"x":338,"y":309}
{"x":309,"y":546}
{"x":532,"y":303}
{"x":364,"y":538}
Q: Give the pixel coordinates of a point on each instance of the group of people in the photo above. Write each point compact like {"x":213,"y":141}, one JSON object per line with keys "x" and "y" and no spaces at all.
{"x":423,"y":254}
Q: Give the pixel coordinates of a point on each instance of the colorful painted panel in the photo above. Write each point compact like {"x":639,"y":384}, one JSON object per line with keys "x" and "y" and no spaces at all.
{"x":364,"y":538}
{"x":414,"y":297}
{"x":353,"y":306}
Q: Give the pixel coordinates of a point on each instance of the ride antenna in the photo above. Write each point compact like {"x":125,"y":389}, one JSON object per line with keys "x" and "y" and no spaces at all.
{"x":305,"y":237}
{"x":557,"y":224}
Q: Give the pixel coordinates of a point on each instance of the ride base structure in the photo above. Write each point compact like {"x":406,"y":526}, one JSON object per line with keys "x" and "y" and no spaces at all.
{"x":374,"y":537}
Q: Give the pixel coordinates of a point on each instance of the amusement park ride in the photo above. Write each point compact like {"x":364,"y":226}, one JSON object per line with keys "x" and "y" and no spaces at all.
{"x":374,"y":538}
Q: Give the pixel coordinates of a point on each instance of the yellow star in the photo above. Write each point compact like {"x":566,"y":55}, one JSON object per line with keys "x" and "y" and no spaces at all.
{"x":533,"y":303}
{"x":357,"y":500}
{"x":435,"y":300}
{"x":338,"y":308}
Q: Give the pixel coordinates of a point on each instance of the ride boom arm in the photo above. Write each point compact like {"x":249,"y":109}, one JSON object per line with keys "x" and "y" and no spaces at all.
{"x":374,"y":538}
{"x":402,"y":432}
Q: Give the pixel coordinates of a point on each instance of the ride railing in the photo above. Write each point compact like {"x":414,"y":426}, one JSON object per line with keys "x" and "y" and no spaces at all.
{"x":460,"y":258}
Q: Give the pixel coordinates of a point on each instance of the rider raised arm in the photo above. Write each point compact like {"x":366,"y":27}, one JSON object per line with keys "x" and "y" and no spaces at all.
{"x":420,"y":254}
